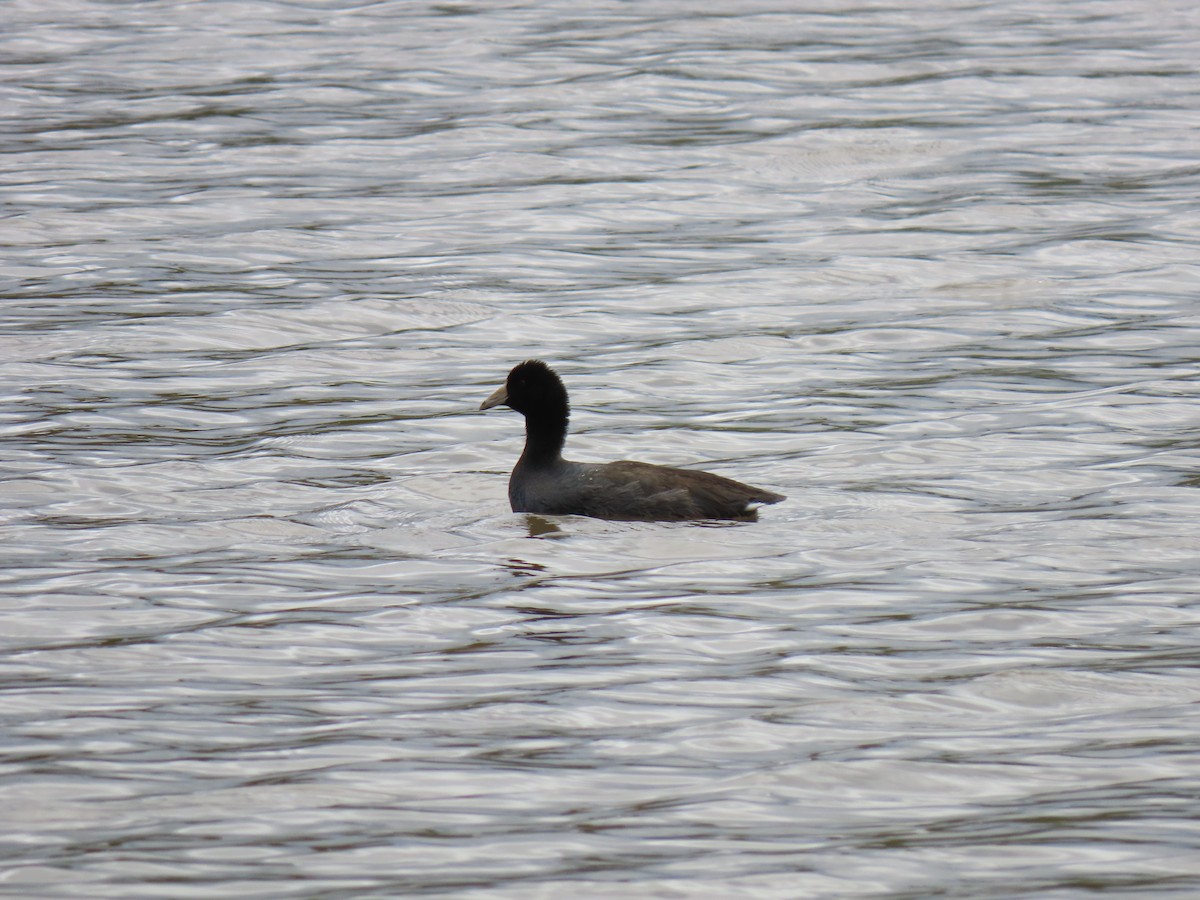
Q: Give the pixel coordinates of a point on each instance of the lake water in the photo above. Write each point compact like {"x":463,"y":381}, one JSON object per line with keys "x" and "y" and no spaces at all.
{"x":267,"y":626}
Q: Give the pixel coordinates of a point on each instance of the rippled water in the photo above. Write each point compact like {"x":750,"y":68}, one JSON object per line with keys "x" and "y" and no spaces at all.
{"x":268,"y":626}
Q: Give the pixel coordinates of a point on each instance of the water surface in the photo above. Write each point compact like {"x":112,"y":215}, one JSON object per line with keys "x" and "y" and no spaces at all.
{"x":268,"y":628}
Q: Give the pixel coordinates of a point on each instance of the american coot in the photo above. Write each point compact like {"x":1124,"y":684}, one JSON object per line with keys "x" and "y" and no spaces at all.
{"x":543,"y":482}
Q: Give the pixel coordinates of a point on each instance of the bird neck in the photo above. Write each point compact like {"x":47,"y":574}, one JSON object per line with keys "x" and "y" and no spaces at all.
{"x":545,"y":434}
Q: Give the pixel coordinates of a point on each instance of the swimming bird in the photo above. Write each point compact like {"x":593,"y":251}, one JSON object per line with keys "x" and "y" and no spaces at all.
{"x":543,"y":482}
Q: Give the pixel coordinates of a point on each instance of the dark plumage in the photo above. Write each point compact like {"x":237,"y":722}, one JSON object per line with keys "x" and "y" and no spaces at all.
{"x":543,"y":482}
